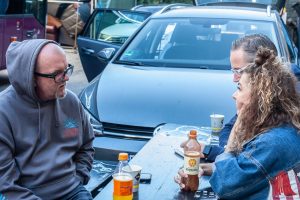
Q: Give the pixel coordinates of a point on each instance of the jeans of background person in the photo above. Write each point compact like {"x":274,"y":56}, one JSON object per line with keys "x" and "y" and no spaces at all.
{"x":79,"y":193}
{"x":84,"y":11}
{"x":224,"y":135}
{"x":292,"y":20}
{"x":3,"y":6}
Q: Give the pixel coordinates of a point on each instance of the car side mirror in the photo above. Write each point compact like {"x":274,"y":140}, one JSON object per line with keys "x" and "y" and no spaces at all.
{"x":106,"y":53}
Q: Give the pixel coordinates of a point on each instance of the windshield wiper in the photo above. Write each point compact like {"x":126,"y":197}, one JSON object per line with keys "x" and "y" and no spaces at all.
{"x":203,"y":67}
{"x":127,"y":62}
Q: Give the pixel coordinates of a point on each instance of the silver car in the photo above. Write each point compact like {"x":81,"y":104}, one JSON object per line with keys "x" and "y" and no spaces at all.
{"x":174,"y":69}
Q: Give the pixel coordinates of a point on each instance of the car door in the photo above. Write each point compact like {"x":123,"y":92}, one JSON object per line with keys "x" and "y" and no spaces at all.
{"x":2,"y":53}
{"x":104,"y":34}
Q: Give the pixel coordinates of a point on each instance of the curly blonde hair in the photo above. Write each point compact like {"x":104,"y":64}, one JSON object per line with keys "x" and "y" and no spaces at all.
{"x":274,"y":100}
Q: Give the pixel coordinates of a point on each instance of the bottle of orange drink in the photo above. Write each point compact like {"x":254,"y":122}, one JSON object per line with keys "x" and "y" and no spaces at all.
{"x":123,"y":182}
{"x":192,"y":150}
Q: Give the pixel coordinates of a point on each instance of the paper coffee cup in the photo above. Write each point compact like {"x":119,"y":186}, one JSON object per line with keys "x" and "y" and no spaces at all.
{"x":217,"y":121}
{"x":135,"y":172}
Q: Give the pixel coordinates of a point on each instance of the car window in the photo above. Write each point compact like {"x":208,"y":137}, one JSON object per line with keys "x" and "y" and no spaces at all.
{"x":197,"y":42}
{"x":266,"y":2}
{"x":127,"y":4}
{"x":114,"y":26}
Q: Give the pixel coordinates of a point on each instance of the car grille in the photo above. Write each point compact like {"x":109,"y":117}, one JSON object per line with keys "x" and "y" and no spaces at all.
{"x":119,"y":40}
{"x":111,"y":39}
{"x":134,"y":132}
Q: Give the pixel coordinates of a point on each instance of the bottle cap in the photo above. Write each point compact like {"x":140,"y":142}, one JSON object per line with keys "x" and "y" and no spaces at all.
{"x":193,"y":134}
{"x":123,"y":156}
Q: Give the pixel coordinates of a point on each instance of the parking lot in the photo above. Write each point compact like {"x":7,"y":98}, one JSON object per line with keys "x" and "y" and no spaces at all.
{"x":77,"y":81}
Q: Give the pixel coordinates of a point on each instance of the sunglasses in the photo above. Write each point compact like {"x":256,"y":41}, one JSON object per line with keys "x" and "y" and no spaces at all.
{"x":58,"y":76}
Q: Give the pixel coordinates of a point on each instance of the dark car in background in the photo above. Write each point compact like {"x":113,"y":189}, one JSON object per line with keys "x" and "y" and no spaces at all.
{"x":20,"y":20}
{"x":106,"y":32}
{"x":174,"y":69}
{"x":106,"y":28}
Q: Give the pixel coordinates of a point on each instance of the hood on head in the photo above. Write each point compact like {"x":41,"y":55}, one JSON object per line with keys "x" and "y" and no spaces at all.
{"x":20,"y":63}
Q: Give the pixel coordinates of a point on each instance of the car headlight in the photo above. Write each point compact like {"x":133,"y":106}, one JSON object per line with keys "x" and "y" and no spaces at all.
{"x":96,"y":124}
{"x":105,"y":37}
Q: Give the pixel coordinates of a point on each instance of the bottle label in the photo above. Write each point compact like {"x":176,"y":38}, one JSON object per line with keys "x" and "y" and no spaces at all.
{"x":122,"y":185}
{"x":191,"y":163}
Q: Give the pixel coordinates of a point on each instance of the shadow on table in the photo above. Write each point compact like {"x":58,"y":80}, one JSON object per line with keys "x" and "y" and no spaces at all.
{"x":100,"y":175}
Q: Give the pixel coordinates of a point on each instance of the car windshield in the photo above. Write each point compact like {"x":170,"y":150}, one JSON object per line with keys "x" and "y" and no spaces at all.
{"x":190,"y":42}
{"x":116,"y":25}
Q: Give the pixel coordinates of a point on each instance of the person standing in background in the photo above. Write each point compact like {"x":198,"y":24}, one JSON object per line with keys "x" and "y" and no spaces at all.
{"x":291,"y":20}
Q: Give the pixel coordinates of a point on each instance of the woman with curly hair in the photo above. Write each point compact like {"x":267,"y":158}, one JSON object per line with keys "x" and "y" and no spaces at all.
{"x":262,"y":156}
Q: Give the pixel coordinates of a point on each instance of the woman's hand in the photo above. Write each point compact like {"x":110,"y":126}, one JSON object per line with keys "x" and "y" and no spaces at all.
{"x":230,"y":142}
{"x":204,"y":169}
{"x":179,"y":177}
{"x":232,"y":137}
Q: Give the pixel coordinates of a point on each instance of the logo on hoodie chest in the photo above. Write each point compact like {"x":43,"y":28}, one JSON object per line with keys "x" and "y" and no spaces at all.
{"x":70,"y":128}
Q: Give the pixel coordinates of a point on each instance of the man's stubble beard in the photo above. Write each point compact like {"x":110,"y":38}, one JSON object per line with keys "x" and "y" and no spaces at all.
{"x":58,"y":91}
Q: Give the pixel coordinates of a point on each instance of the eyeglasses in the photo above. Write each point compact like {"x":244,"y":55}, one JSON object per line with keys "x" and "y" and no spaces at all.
{"x":239,"y":71}
{"x":58,"y":76}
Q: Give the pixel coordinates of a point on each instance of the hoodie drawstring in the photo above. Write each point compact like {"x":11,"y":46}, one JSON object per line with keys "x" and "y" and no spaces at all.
{"x":39,"y":133}
{"x":56,"y":107}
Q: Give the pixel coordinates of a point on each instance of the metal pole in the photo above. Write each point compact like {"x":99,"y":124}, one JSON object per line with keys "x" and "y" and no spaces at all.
{"x":76,"y":30}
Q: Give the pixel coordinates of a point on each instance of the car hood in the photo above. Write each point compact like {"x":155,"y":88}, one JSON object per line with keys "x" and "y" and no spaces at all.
{"x":150,"y":96}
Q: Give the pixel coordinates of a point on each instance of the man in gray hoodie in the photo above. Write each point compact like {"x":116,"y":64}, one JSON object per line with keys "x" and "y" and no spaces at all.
{"x":45,"y":136}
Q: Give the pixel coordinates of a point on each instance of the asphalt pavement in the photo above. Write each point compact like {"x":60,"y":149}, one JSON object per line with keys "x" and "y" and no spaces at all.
{"x":77,"y":81}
